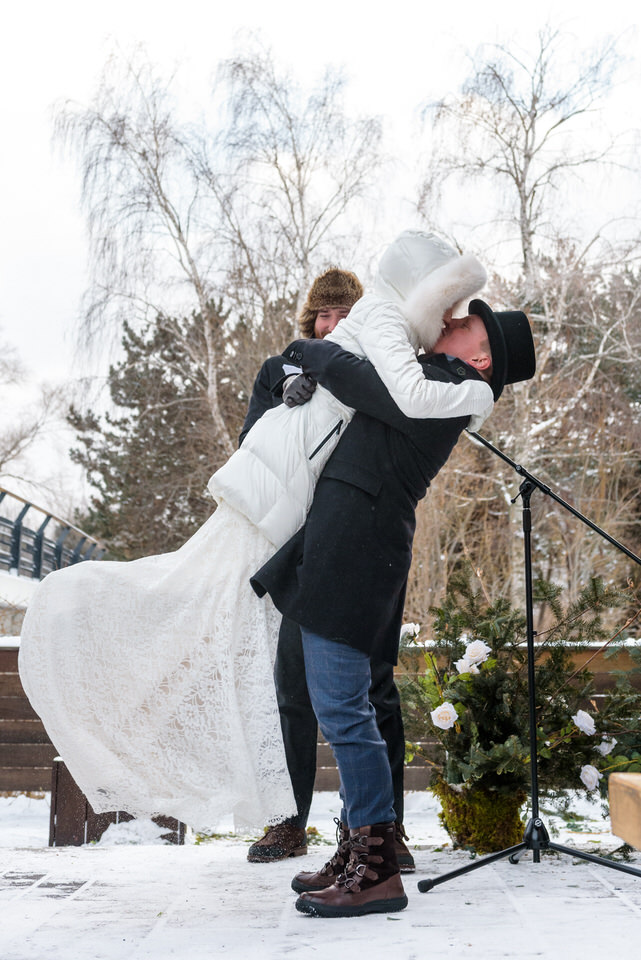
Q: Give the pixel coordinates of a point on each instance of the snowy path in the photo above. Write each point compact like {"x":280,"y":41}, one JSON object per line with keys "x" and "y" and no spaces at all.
{"x":151,"y":902}
{"x":207,"y":901}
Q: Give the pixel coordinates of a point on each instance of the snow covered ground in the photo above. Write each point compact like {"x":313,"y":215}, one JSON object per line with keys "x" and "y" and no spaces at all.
{"x":131,"y":897}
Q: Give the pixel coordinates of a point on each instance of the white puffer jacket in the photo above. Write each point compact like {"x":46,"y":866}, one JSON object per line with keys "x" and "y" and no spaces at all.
{"x":271,"y":478}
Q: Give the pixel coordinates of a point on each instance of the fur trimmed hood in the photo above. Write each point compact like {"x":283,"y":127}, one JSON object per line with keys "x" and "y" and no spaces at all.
{"x":455,"y":282}
{"x":426,"y":276}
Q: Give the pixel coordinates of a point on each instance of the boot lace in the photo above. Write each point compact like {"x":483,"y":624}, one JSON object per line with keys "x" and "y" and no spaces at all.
{"x":334,"y":867}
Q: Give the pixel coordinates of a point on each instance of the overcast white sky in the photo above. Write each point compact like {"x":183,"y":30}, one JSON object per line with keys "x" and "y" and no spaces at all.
{"x":396,"y":57}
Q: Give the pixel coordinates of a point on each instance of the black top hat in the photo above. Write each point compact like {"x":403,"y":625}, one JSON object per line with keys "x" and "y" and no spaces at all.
{"x":511,"y":344}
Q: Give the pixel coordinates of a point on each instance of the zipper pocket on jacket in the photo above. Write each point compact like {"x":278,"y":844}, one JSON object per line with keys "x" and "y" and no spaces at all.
{"x":336,"y":429}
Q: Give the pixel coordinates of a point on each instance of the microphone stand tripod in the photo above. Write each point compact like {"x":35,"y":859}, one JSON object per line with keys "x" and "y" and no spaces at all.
{"x":535,"y":837}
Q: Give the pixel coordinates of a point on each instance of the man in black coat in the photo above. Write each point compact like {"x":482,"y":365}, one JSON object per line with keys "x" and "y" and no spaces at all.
{"x":343,"y":576}
{"x":330,"y":298}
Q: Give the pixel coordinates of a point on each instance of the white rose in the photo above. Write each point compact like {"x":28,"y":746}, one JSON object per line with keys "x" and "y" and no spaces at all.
{"x":444,"y":716}
{"x":584,"y":722}
{"x":465,"y":666}
{"x":477,"y":651}
{"x":590,"y":776}
{"x":606,"y":746}
{"x":410,"y":630}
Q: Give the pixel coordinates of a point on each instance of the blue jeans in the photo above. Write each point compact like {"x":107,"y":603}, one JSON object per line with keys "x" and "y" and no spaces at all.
{"x":338,"y":679}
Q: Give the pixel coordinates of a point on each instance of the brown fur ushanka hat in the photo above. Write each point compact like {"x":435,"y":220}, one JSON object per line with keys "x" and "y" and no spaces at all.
{"x":333,"y":288}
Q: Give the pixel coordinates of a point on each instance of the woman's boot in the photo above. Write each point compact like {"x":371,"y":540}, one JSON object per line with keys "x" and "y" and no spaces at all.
{"x":371,"y":882}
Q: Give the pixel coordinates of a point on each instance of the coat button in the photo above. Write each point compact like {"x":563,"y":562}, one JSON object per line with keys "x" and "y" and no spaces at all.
{"x":299,"y":356}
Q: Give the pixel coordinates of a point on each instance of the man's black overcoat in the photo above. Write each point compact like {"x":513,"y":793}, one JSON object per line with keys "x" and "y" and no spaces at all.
{"x":344,"y":574}
{"x":267,"y":391}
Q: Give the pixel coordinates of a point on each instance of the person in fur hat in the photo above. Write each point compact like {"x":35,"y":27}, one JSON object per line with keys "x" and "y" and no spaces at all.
{"x":330,"y":298}
{"x":333,"y":289}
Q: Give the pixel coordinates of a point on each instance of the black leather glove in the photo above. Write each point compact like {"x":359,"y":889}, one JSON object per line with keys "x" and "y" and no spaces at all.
{"x":298,"y":389}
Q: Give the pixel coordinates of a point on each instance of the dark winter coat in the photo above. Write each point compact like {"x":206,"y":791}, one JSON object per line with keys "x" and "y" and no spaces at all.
{"x":267,"y":390}
{"x":344,"y":574}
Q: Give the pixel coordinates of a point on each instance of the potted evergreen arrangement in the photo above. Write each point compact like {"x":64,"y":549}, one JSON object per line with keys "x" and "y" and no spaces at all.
{"x":466,"y":686}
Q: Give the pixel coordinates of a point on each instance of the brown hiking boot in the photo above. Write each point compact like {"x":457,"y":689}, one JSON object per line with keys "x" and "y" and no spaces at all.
{"x":280,"y":842}
{"x":371,"y":882}
{"x":328,"y":874}
{"x":405,"y":859}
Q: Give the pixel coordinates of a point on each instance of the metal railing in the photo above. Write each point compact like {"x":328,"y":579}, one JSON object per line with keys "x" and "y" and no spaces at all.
{"x":28,"y":551}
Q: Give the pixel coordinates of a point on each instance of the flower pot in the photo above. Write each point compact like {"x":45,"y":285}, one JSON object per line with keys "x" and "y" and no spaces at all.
{"x":481,"y":819}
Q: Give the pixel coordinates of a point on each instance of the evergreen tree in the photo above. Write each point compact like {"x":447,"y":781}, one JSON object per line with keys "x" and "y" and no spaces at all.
{"x":150,"y":460}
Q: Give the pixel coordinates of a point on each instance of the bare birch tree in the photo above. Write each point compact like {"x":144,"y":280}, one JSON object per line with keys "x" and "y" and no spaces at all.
{"x":521,"y":128}
{"x":142,"y":204}
{"x":22,"y":424}
{"x":301,"y":167}
{"x":182,"y":217}
{"x":521,"y":131}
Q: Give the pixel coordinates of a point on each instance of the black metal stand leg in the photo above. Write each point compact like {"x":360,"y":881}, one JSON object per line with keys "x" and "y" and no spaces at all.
{"x":592,"y":858}
{"x":535,"y":838}
{"x":425,"y":885}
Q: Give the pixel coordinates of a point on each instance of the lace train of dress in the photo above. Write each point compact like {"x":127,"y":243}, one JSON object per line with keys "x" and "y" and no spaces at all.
{"x":154,"y":680}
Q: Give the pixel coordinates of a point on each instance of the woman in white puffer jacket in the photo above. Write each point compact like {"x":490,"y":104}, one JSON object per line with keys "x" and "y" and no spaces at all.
{"x":420,"y":280}
{"x":154,"y":678}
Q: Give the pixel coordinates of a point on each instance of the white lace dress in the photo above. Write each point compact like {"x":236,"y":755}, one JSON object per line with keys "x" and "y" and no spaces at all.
{"x":154,"y":680}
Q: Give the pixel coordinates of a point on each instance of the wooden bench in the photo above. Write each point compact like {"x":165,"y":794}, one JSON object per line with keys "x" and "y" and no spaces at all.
{"x":624,"y":790}
{"x":416,"y":777}
{"x":26,"y":753}
{"x":73,"y":821}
